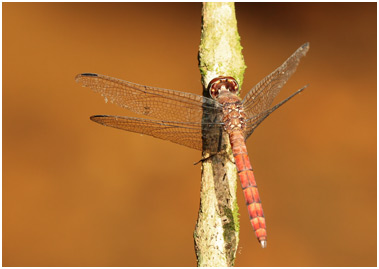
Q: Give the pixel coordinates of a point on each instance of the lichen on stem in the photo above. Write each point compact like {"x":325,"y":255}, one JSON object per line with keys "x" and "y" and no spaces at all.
{"x":217,"y":229}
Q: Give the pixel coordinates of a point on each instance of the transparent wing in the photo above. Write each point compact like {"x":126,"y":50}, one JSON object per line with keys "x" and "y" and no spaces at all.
{"x":162,"y":104}
{"x":253,"y":122}
{"x":260,"y":98}
{"x":186,"y":134}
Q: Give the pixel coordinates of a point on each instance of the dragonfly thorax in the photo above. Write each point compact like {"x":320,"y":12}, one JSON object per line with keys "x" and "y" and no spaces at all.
{"x":234,"y":117}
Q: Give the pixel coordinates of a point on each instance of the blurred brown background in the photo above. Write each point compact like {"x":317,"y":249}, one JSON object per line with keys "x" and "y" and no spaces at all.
{"x":79,"y":194}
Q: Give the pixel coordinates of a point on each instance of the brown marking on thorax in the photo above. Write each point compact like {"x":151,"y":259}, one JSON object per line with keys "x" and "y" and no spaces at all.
{"x":234,"y":116}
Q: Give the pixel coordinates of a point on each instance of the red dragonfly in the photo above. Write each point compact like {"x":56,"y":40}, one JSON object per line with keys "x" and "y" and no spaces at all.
{"x":198,"y":122}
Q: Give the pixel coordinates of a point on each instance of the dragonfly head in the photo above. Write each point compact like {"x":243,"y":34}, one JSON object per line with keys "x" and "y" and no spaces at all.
{"x":222,"y":83}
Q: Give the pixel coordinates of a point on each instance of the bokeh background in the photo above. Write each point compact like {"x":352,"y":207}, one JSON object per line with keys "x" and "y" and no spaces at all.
{"x":79,"y":194}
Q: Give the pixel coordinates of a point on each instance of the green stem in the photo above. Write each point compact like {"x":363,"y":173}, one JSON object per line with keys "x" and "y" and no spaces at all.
{"x":217,"y":228}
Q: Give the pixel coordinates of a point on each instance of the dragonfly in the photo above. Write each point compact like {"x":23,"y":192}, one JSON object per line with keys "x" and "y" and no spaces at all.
{"x":199,"y":122}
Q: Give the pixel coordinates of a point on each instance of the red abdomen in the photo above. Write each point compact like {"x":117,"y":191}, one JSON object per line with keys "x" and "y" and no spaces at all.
{"x":249,"y":186}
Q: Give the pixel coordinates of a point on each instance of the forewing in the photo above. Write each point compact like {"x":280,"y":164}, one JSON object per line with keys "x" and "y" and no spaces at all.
{"x":162,"y":104}
{"x":186,"y":134}
{"x":262,"y":95}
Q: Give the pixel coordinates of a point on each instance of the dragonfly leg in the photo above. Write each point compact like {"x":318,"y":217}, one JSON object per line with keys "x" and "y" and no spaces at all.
{"x":222,"y":152}
{"x":205,"y":158}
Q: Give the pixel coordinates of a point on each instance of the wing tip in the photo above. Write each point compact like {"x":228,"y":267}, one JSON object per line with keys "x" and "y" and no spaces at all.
{"x":94,"y":117}
{"x":79,"y":76}
{"x":305,"y":47}
{"x":102,"y":119}
{"x":89,"y":75}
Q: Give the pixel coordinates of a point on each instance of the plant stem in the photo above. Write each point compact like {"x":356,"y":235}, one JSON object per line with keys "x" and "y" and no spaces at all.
{"x":217,"y":228}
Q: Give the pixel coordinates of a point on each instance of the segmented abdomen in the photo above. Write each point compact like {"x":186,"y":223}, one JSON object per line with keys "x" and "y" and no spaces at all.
{"x":249,"y":186}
